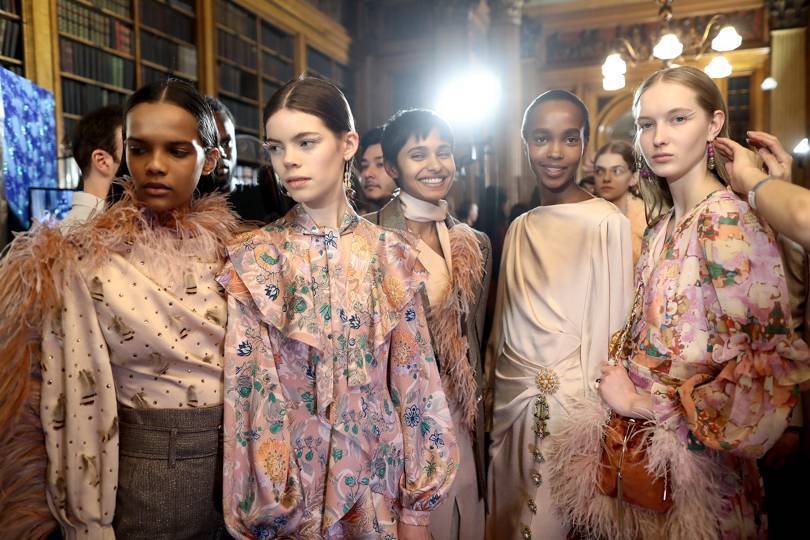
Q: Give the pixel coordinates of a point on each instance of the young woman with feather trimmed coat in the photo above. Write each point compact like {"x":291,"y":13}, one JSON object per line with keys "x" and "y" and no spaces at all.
{"x":112,"y":347}
{"x":418,"y":149}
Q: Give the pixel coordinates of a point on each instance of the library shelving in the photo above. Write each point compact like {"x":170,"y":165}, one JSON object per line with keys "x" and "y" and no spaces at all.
{"x":11,"y":29}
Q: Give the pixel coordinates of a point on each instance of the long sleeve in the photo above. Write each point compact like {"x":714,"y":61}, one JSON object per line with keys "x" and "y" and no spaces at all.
{"x":79,"y":416}
{"x":744,"y":408}
{"x":430,"y":449}
{"x":84,"y":207}
{"x":609,"y":293}
{"x":492,"y":349}
{"x":261,"y":478}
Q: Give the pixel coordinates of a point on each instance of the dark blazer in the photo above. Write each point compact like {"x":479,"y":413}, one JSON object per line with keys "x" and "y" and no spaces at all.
{"x":472,"y":324}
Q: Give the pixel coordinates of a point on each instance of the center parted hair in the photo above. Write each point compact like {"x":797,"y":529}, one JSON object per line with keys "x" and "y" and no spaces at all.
{"x":316,"y":97}
{"x":654,"y":189}
{"x":186,"y":97}
{"x":557,"y":95}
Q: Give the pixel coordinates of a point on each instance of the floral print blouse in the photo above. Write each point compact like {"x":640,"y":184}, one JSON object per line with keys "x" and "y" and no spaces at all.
{"x":713,"y":345}
{"x":335,"y":419}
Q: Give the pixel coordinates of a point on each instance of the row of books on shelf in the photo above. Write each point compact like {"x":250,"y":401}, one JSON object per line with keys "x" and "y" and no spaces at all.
{"x":164,"y":19}
{"x":239,"y":82}
{"x":9,"y":6}
{"x":276,"y":67}
{"x":9,"y":37}
{"x":235,"y":18}
{"x":80,"y":21}
{"x":277,"y":40}
{"x":247,"y":116}
{"x":80,"y":98}
{"x":119,"y":7}
{"x":236,"y":50}
{"x":169,"y":54}
{"x":95,"y":64}
{"x":150,"y":75}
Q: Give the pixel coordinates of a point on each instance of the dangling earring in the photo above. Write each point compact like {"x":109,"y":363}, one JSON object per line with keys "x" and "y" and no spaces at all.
{"x":644,"y":172}
{"x":347,"y":176}
{"x":710,"y":152}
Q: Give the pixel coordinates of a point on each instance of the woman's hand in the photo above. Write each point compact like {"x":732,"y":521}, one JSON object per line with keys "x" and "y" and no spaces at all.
{"x":744,"y":169}
{"x":412,"y":532}
{"x":618,"y":391}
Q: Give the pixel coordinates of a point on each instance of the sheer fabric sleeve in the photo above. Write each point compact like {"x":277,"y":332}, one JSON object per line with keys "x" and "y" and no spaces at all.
{"x":745,"y":407}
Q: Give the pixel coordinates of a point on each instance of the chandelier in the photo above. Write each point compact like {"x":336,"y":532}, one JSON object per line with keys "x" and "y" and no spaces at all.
{"x":718,"y":35}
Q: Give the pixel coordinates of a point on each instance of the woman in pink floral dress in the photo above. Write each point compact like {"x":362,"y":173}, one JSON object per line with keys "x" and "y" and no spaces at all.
{"x":714,"y":366}
{"x":336,"y":425}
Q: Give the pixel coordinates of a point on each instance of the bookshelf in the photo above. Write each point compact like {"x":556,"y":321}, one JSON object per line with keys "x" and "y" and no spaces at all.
{"x":320,"y":65}
{"x":254,"y":58}
{"x":11,"y":29}
{"x":108,"y":48}
{"x":102,"y":50}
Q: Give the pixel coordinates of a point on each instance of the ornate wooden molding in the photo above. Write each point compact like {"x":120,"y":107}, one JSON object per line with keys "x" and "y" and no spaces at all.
{"x":590,"y":45}
{"x":599,"y":13}
{"x":297,"y":16}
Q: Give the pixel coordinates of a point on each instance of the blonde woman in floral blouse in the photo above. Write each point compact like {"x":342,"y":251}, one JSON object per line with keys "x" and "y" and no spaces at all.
{"x":336,"y":425}
{"x":714,"y":366}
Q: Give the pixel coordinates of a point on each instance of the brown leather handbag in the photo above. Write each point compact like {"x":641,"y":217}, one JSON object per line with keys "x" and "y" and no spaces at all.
{"x":623,"y":465}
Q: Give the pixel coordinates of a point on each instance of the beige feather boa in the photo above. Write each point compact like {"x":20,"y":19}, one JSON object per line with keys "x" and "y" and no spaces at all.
{"x":445,"y":319}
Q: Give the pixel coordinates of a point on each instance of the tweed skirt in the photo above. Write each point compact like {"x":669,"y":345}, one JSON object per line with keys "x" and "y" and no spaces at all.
{"x":170,"y":474}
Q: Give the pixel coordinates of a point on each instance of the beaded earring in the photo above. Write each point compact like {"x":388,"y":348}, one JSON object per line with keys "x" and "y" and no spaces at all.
{"x":644,"y":172}
{"x":710,"y":151}
{"x":347,"y":176}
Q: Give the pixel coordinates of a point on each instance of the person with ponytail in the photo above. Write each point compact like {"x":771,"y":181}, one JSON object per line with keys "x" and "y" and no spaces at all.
{"x":111,"y":342}
{"x":712,"y":368}
{"x":336,"y":424}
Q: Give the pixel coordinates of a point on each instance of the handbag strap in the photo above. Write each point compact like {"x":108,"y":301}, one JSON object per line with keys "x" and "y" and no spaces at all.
{"x":621,"y":343}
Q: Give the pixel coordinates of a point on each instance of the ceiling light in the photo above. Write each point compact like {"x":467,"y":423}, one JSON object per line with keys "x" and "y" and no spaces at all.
{"x":727,"y":39}
{"x":718,"y":68}
{"x":613,"y":82}
{"x":668,"y":47}
{"x":614,"y":66}
{"x":769,"y":84}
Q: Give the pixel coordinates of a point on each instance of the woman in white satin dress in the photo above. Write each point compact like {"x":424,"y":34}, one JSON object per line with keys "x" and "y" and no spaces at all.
{"x":565,"y":285}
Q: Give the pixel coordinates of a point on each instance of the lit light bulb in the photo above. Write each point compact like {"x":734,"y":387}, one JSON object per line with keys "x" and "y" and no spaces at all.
{"x":769,"y":84}
{"x":469,"y":99}
{"x":668,"y":47}
{"x":614,"y":66}
{"x":613,"y":83}
{"x":718,"y":68}
{"x":727,"y":39}
{"x":803,"y":148}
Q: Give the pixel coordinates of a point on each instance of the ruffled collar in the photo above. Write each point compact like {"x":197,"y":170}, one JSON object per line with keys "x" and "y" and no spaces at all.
{"x":300,"y":220}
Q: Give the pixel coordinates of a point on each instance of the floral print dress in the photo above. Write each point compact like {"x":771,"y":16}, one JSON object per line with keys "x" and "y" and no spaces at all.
{"x":336,"y":424}
{"x":713,"y":346}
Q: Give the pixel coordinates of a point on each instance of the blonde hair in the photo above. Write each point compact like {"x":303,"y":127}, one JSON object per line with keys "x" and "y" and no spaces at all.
{"x":655,"y":189}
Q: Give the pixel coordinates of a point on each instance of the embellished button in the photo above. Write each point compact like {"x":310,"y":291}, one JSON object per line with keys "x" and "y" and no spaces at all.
{"x":538,"y":455}
{"x":536,"y":477}
{"x":547,"y":381}
{"x":526,"y":533}
{"x":532,"y":506}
